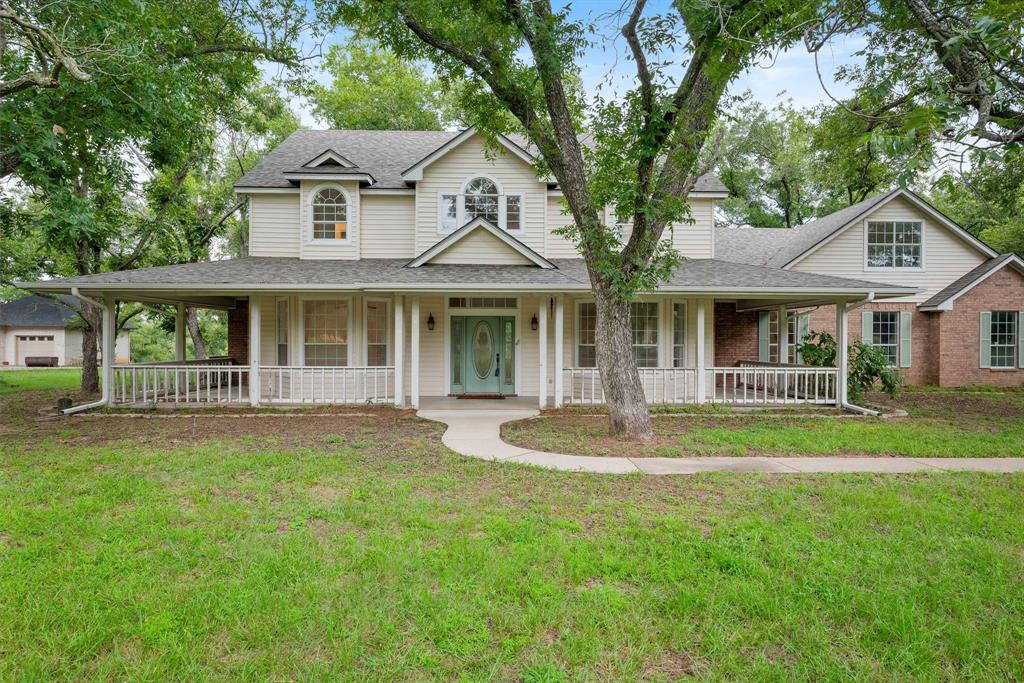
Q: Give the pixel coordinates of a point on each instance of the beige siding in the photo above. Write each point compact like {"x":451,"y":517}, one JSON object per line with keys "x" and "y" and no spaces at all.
{"x":482,"y":247}
{"x":388,"y":226}
{"x":946,"y":256}
{"x":696,"y":240}
{"x":450,"y":172}
{"x":274,"y":225}
{"x":432,"y":348}
{"x":558,"y":246}
{"x":329,"y":249}
{"x":268,"y":330}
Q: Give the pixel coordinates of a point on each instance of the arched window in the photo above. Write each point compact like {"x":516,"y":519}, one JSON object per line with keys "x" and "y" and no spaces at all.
{"x":330,"y":214}
{"x":482,"y":200}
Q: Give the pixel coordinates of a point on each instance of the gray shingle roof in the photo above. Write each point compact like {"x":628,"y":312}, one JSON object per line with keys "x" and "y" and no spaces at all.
{"x":968,"y":279}
{"x":263,"y":272}
{"x":382,"y":154}
{"x":38,"y":311}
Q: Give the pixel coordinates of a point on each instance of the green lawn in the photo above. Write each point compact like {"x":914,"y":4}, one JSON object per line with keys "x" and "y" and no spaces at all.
{"x":33,"y":380}
{"x":941,"y":423}
{"x":323,"y":547}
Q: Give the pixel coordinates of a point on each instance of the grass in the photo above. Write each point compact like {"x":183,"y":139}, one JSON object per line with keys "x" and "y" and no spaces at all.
{"x":318,"y":548}
{"x":326,"y":547}
{"x":67,"y":379}
{"x":959,"y":423}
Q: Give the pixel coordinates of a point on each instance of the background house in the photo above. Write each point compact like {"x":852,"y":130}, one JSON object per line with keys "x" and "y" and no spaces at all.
{"x":43,"y":326}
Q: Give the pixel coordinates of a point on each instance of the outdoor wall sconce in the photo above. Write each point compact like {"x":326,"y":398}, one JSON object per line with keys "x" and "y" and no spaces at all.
{"x":533,"y":322}
{"x":430,"y":322}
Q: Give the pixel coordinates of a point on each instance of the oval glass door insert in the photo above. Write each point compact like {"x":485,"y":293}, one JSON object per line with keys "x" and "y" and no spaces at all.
{"x":483,"y":349}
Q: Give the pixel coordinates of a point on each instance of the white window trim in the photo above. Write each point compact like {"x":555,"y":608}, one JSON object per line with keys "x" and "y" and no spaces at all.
{"x":899,"y":338}
{"x":301,"y":351}
{"x":1015,"y":362}
{"x":894,"y":269}
{"x":350,"y":211}
{"x":659,"y":363}
{"x":460,"y":206}
{"x":389,"y":359}
{"x":672,"y":332}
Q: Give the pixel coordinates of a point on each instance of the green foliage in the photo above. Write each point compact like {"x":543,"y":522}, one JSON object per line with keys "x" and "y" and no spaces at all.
{"x":372,"y":88}
{"x":153,"y":339}
{"x":987,"y":198}
{"x":868,"y":365}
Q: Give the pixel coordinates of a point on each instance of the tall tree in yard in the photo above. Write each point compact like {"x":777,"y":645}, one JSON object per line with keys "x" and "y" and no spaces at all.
{"x":150,"y":85}
{"x":649,"y":145}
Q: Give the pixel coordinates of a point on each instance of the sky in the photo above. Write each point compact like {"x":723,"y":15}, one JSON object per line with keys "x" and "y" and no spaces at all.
{"x":789,"y":77}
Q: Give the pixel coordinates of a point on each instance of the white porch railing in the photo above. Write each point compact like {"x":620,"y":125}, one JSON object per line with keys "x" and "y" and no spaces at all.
{"x":327,"y":385}
{"x":759,"y":383}
{"x":661,"y":385}
{"x":747,"y":384}
{"x":181,"y":382}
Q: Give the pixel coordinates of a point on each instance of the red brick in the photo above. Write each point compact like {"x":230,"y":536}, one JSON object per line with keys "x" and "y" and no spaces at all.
{"x":238,"y":333}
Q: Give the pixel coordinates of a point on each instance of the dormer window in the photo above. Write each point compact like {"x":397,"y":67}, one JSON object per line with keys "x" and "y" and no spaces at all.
{"x":481,"y":198}
{"x":329,"y":211}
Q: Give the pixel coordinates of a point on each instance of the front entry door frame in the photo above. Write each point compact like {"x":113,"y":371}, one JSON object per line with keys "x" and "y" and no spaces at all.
{"x":502,"y":321}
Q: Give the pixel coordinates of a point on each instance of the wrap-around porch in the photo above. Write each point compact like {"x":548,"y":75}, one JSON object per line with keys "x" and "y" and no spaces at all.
{"x":318,"y":348}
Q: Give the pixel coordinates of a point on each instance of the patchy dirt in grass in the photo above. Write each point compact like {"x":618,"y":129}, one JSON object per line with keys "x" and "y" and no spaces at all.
{"x":673,"y":665}
{"x":965,"y":403}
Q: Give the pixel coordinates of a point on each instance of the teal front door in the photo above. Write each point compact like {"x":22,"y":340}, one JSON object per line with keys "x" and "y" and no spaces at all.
{"x":483,"y":355}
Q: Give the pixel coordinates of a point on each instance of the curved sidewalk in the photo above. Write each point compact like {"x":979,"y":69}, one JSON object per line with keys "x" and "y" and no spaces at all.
{"x":477,"y":433}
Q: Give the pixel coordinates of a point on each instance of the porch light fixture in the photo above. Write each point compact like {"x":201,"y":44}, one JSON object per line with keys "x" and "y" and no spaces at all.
{"x":533,"y":322}
{"x":430,"y":322}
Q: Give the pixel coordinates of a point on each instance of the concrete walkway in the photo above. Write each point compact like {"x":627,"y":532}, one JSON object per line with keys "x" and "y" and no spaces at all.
{"x":474,"y":429}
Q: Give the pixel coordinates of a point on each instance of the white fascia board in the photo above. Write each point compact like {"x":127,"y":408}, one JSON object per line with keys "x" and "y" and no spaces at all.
{"x":329,"y":154}
{"x":329,"y":176}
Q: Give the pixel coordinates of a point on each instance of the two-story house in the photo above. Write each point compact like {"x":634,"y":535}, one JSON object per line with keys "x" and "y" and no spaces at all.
{"x":394,"y":265}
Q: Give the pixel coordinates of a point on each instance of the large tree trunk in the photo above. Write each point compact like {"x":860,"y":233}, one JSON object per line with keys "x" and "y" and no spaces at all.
{"x":623,"y":393}
{"x":198,"y":342}
{"x":93,"y":320}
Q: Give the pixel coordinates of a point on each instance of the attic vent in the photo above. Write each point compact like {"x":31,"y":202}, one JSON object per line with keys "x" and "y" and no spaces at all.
{"x":482,"y":302}
{"x":329,"y":161}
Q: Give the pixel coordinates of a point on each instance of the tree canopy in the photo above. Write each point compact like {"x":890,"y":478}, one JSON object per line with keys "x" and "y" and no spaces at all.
{"x":372,"y":88}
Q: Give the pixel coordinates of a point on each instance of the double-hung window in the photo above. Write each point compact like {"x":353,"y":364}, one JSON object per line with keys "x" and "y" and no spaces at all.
{"x":891,"y":332}
{"x":326,"y":332}
{"x":481,"y":198}
{"x":679,"y":335}
{"x":643,"y":326}
{"x":1001,"y":345}
{"x":894,"y":245}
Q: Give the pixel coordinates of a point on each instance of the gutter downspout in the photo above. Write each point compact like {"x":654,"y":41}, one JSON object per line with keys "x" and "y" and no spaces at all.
{"x":847,"y":405}
{"x":105,"y":390}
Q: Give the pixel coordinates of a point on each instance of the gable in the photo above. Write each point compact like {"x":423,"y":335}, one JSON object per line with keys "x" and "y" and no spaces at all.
{"x":947,"y":256}
{"x":416,"y":172}
{"x":481,"y":247}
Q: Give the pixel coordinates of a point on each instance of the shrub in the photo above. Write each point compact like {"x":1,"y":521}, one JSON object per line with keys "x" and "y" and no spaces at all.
{"x":867,"y":364}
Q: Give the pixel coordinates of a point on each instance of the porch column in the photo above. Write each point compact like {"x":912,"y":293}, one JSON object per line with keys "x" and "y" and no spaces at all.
{"x":179,"y":333}
{"x":542,"y":351}
{"x":399,"y":351}
{"x":702,"y":379}
{"x":559,"y":349}
{"x":254,"y":350}
{"x":842,"y":359}
{"x":109,"y":333}
{"x":783,"y":335}
{"x":414,"y":331}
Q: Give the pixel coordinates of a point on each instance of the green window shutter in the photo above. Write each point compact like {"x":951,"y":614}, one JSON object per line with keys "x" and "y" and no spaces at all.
{"x":905,"y":318}
{"x":866,"y":325}
{"x":762,"y":336}
{"x":985,"y":343}
{"x":803,"y":328}
{"x":1020,"y":339}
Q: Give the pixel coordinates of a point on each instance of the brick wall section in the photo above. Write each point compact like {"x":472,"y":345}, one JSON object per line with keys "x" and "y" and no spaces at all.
{"x":735,"y":335}
{"x":960,"y":332}
{"x":238,"y":332}
{"x":923,"y":336}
